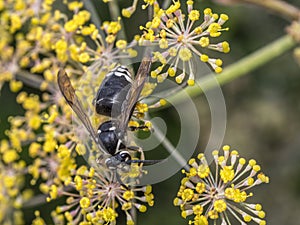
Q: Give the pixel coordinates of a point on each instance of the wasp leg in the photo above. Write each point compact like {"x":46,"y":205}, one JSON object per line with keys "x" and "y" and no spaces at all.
{"x":137,"y":149}
{"x":119,"y":180}
{"x":142,"y":127}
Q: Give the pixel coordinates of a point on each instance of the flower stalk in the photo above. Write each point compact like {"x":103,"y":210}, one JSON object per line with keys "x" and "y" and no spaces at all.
{"x":238,"y":69}
{"x":280,"y":7}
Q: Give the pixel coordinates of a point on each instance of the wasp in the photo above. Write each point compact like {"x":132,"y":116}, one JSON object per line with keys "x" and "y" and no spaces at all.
{"x":116,"y":97}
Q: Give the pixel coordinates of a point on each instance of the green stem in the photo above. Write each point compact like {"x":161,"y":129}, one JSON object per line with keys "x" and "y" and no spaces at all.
{"x":282,"y":8}
{"x":115,"y":14}
{"x":89,"y":5}
{"x":114,"y":11}
{"x":35,"y":201}
{"x":238,"y":69}
{"x":166,"y":4}
{"x":32,"y":80}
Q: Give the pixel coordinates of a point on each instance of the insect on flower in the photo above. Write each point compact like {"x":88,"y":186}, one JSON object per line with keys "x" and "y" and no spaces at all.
{"x":120,"y":97}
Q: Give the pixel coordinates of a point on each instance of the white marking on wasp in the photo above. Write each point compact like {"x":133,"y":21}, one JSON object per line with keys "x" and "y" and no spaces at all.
{"x":109,"y":74}
{"x":125,"y":75}
{"x":118,"y":145}
{"x":112,"y":128}
{"x":121,"y":71}
{"x":122,"y":152}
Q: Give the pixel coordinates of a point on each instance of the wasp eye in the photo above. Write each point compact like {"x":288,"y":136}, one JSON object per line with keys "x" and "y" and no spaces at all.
{"x":124,"y":156}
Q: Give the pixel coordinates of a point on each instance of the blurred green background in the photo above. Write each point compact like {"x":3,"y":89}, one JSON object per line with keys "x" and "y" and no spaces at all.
{"x":263,"y":119}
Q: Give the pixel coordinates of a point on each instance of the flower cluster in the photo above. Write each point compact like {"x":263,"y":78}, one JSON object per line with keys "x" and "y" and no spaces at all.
{"x":98,"y":197}
{"x":179,"y":36}
{"x":51,"y":40}
{"x":32,"y":54}
{"x":12,"y":177}
{"x":213,"y":196}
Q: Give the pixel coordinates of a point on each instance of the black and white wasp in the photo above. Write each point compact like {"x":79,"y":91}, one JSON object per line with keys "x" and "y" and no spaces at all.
{"x":116,"y":97}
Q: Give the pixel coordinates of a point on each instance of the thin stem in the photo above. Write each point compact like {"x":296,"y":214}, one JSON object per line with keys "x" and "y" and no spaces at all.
{"x":238,"y":69}
{"x":166,"y":4}
{"x":89,"y":5}
{"x":281,"y":7}
{"x":169,"y":147}
{"x":32,"y":80}
{"x":35,"y":201}
{"x":115,"y":14}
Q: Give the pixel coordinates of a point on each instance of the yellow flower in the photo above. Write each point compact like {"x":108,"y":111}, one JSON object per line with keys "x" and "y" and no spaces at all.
{"x":185,"y":54}
{"x":220,"y":205}
{"x":84,"y":202}
{"x":121,"y":44}
{"x":220,"y":193}
{"x":10,"y":156}
{"x":109,"y":214}
{"x":173,"y":33}
{"x":75,"y":5}
{"x":84,"y":57}
{"x":15,"y":86}
{"x":227,"y":174}
{"x":194,"y":15}
{"x":38,"y":220}
{"x":16,"y":23}
{"x":94,"y":200}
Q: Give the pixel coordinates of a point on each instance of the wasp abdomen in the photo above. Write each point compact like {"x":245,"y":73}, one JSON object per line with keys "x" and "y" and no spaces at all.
{"x":113,"y":92}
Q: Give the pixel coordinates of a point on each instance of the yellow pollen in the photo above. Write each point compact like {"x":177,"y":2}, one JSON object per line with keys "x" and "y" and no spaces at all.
{"x":180,"y":38}
{"x":227,"y":174}
{"x":85,"y":202}
{"x":142,"y":208}
{"x":191,"y":82}
{"x":128,"y":195}
{"x":225,"y":46}
{"x":201,"y":220}
{"x":171,"y":72}
{"x":194,"y":15}
{"x":185,"y":54}
{"x":109,"y":215}
{"x":15,"y":86}
{"x":197,"y":209}
{"x":204,"y":58}
{"x":84,"y":57}
{"x":247,"y":218}
{"x":220,"y":205}
{"x":203,"y":171}
{"x":204,"y":42}
{"x":121,"y":44}
{"x":200,"y":187}
{"x":187,"y":194}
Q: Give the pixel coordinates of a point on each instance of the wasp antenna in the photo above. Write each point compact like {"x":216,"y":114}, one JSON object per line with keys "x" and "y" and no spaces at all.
{"x":145,"y":162}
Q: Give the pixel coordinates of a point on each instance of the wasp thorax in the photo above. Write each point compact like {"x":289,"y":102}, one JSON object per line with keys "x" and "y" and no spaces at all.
{"x":111,"y":137}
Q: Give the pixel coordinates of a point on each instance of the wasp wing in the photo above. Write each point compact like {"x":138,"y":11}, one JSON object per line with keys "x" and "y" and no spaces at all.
{"x":134,"y":93}
{"x":69,"y":94}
